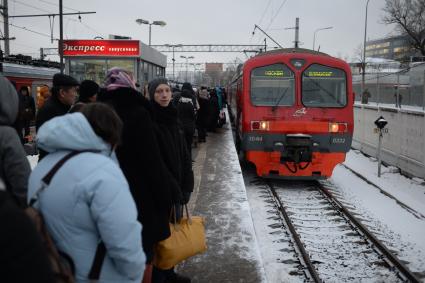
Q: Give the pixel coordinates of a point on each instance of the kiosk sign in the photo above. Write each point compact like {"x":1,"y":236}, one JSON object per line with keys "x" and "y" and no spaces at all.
{"x":109,"y":48}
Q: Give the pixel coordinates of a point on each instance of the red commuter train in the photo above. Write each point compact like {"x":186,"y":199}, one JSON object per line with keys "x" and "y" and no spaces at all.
{"x":293,"y":113}
{"x":37,"y":79}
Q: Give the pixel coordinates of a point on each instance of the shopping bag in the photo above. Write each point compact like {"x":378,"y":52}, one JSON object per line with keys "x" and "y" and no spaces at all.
{"x":187,"y":239}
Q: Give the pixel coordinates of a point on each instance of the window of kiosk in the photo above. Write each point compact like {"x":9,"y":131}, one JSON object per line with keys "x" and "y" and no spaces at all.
{"x":96,"y":69}
{"x":128,"y":65}
{"x":88,"y":69}
{"x":324,"y":86}
{"x":272,"y":85}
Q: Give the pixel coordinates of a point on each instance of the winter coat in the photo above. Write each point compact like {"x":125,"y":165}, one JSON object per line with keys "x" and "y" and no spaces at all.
{"x":87,"y":201}
{"x":27,"y":110}
{"x":14,"y":165}
{"x":173,"y":148}
{"x":186,"y":110}
{"x":52,"y":108}
{"x":220,"y":99}
{"x":203,"y":112}
{"x":22,"y":257}
{"x":141,"y":162}
{"x":213,"y":111}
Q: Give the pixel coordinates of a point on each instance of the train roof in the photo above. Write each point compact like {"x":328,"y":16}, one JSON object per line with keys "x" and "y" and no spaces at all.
{"x":291,"y":50}
{"x":20,"y":70}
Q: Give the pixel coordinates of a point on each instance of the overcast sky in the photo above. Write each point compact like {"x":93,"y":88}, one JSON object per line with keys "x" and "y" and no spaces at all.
{"x":204,"y":22}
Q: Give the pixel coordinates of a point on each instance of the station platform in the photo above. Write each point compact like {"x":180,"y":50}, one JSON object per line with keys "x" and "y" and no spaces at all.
{"x":220,"y":197}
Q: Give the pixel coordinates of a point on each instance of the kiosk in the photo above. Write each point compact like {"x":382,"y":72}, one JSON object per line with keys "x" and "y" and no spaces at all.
{"x":91,"y":59}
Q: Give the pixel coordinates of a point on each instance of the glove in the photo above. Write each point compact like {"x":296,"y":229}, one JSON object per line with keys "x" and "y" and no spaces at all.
{"x":186,"y":197}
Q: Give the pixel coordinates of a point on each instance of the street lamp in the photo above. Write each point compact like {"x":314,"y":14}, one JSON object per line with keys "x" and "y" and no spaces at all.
{"x":195,"y":69}
{"x":317,"y":30}
{"x":187,"y":59}
{"x":155,"y":23}
{"x":173,"y":46}
{"x":364,"y":50}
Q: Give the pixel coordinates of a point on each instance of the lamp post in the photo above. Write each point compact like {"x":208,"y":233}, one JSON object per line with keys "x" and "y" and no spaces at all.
{"x":195,"y":69}
{"x":316,"y":31}
{"x":364,"y":50}
{"x":187,"y":59}
{"x":155,"y":23}
{"x":173,"y":46}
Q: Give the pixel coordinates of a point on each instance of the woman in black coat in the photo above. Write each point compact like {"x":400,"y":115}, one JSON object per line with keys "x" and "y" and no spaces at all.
{"x":174,"y":152}
{"x":140,"y":159}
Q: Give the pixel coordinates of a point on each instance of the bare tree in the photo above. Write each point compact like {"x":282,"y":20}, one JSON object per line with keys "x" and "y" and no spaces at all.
{"x":409,"y":17}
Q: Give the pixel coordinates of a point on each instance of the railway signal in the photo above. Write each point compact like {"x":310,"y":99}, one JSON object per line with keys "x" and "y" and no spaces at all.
{"x":380,"y":123}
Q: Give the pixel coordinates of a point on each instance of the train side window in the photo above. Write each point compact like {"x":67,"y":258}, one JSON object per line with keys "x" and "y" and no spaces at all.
{"x":324,"y":86}
{"x":272,"y":85}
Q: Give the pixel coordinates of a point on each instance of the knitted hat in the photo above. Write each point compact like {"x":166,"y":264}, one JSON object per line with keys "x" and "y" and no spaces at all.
{"x":88,"y":88}
{"x":154,"y":84}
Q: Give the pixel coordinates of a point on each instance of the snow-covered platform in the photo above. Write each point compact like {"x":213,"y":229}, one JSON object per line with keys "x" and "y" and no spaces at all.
{"x":220,"y":196}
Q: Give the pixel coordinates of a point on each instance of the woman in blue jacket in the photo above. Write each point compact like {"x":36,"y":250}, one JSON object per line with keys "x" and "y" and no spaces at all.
{"x":88,"y":199}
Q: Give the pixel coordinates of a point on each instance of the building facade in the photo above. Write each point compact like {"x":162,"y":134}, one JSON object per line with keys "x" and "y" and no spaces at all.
{"x":394,"y":48}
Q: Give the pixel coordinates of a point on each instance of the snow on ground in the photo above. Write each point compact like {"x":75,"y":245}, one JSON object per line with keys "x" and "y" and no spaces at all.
{"x":409,"y":191}
{"x":400,"y":228}
{"x":33,"y":159}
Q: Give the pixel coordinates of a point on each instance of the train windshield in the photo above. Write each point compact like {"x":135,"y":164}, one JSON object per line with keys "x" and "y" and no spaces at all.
{"x":272,"y":85}
{"x":324,"y":86}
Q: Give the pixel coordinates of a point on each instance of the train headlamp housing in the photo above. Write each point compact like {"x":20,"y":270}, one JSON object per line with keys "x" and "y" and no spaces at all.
{"x":338,"y":127}
{"x":260,"y":125}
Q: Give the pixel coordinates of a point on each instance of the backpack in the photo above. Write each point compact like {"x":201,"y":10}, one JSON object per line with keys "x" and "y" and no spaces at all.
{"x":62,"y":264}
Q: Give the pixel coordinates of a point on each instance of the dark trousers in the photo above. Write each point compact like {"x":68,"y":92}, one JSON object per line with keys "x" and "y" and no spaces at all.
{"x":202,"y":133}
{"x":27,"y":124}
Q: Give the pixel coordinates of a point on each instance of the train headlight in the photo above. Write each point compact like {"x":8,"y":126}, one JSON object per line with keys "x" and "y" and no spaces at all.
{"x":264,"y":125}
{"x":260,"y":125}
{"x":338,"y":127}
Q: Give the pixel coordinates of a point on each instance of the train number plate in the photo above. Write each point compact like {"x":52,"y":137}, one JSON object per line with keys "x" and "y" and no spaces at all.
{"x":338,"y":140}
{"x":255,"y":139}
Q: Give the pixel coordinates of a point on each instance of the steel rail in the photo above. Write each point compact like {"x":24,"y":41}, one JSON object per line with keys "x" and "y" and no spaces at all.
{"x":300,"y":245}
{"x":405,"y":272}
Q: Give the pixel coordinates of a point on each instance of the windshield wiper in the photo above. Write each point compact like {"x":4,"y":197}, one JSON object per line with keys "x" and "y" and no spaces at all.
{"x":280,"y":98}
{"x":321,"y":87}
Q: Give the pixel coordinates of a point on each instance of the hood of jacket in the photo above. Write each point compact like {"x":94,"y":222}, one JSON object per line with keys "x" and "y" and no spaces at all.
{"x":70,"y":132}
{"x":9,"y":102}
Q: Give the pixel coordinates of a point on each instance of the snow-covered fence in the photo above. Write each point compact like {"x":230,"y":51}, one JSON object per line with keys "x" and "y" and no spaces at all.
{"x":404,"y":144}
{"x":385,"y":85}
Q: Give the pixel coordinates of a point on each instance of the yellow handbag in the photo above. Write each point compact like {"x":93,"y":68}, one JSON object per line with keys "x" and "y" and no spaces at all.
{"x":187,"y":239}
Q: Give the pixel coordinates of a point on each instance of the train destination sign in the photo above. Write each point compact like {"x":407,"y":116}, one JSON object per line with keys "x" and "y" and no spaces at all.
{"x":320,"y":74}
{"x":129,"y":48}
{"x":274,"y":73}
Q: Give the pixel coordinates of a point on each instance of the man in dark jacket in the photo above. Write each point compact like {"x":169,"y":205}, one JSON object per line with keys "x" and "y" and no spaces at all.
{"x":28,"y":109}
{"x":140,"y":159}
{"x":186,"y":105}
{"x":64,"y":93}
{"x":14,"y":166}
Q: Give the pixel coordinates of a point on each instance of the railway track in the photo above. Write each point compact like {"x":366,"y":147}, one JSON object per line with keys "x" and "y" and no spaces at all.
{"x":331,"y":244}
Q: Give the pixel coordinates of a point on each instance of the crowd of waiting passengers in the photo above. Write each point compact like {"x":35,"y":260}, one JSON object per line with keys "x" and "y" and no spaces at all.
{"x":128,"y":165}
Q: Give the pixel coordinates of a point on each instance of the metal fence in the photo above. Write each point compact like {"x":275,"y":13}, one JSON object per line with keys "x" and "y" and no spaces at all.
{"x":391,"y":86}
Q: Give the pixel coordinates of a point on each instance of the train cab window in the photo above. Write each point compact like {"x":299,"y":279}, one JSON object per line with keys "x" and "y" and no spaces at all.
{"x":272,"y":85}
{"x":324,"y":86}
